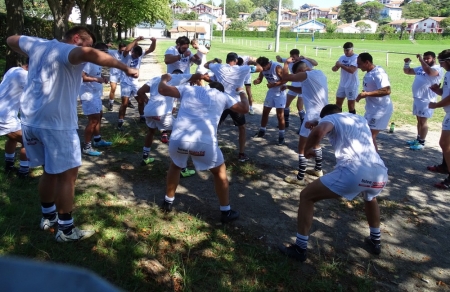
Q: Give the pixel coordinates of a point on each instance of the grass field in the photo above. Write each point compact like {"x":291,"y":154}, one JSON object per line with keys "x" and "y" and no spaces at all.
{"x":400,"y":83}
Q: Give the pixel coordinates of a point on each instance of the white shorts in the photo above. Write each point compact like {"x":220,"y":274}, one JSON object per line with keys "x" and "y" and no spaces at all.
{"x":420,"y":108}
{"x":294,"y":94}
{"x":115,"y":77}
{"x":248,"y":79}
{"x":310,"y":116}
{"x":57,"y":150}
{"x":276,"y":101}
{"x":91,"y":107}
{"x":378,"y":121}
{"x":350,"y":180}
{"x":10,"y":126}
{"x":127,"y":90}
{"x":446,"y":122}
{"x":201,"y":69}
{"x":204,"y":156}
{"x":350,"y":92}
{"x":160,"y":122}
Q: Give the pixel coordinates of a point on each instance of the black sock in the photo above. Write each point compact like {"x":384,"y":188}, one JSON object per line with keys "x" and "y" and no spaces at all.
{"x":353,"y":112}
{"x":421,"y":141}
{"x":98,"y":139}
{"x":65,"y":222}
{"x":87,"y":145}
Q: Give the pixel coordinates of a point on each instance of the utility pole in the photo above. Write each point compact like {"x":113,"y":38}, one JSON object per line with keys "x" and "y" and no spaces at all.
{"x":224,"y":21}
{"x":277,"y":38}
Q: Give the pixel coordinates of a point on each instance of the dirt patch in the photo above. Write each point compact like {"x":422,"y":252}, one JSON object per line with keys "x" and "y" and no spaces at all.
{"x":414,"y":214}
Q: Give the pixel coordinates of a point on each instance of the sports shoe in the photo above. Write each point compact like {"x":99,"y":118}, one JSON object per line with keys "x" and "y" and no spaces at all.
{"x":23,"y":175}
{"x":260,"y":133}
{"x":417,"y":147}
{"x":293,"y":180}
{"x":187,"y":172}
{"x":165,"y":138}
{"x":110,"y":107}
{"x":412,"y":142}
{"x":280,"y":141}
{"x":313,"y":172}
{"x":130,"y":105}
{"x":166,"y":206}
{"x":293,"y":251}
{"x":47,"y":223}
{"x":445,"y":184}
{"x":231,"y":216}
{"x":438,"y":168}
{"x":91,"y":152}
{"x":251,"y":112}
{"x":374,"y":248}
{"x":102,"y":143}
{"x":243,"y":157}
{"x":147,"y":161}
{"x":142,"y":120}
{"x":75,"y":235}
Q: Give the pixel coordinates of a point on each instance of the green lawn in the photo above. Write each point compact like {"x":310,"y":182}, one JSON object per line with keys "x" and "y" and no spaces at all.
{"x":392,"y":63}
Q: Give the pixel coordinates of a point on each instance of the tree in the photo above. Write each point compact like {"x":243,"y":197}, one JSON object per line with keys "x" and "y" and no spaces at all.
{"x":36,"y":8}
{"x":331,"y":28}
{"x":417,"y":10}
{"x":445,"y":24}
{"x":373,"y":9}
{"x":186,"y":16}
{"x":363,"y":27}
{"x":246,"y":6}
{"x":272,"y":26}
{"x":258,"y":14}
{"x":14,"y":25}
{"x":85,"y":9}
{"x":61,"y":10}
{"x":350,"y":11}
{"x":231,"y":9}
{"x":403,"y":27}
{"x":240,"y":25}
{"x":385,"y":29}
{"x":269,"y":5}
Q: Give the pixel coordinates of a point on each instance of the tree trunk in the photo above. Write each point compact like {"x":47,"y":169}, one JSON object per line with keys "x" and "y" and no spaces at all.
{"x":61,"y":10}
{"x":85,"y":9}
{"x":119,"y":31}
{"x":14,"y":26}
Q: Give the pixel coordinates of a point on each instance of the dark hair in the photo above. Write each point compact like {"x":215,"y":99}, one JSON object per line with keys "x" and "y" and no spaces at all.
{"x":182,"y":40}
{"x":262,"y":61}
{"x":294,"y":52}
{"x":430,"y":53}
{"x":444,"y":54}
{"x":177,"y":71}
{"x":217,"y":85}
{"x":240,"y":61}
{"x":365,"y":57}
{"x":297,"y":65}
{"x":137,"y":50}
{"x":330,"y":109}
{"x":101,"y":46}
{"x":348,"y":45}
{"x":122,"y":45}
{"x":82,"y":31}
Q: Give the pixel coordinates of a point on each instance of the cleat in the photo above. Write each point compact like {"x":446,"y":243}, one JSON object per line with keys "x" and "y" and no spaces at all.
{"x":130,"y":105}
{"x":293,"y":180}
{"x":412,"y":142}
{"x":417,"y":147}
{"x":260,"y":133}
{"x":438,"y":168}
{"x":75,"y":235}
{"x":286,"y":124}
{"x":375,"y":248}
{"x":102,"y":143}
{"x":142,"y":120}
{"x":293,"y":251}
{"x":23,"y":175}
{"x":313,"y":172}
{"x":230,"y":216}
{"x":147,"y":161}
{"x":251,"y":112}
{"x":110,"y":107}
{"x":91,"y":152}
{"x":243,"y":157}
{"x":166,"y":206}
{"x":445,"y":184}
{"x":280,"y":141}
{"x":187,"y":172}
{"x":47,"y":223}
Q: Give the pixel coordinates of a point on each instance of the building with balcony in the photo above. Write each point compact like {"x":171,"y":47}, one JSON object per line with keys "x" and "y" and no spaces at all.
{"x":430,"y":25}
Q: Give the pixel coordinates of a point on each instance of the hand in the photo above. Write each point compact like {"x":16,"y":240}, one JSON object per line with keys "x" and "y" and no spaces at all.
{"x":432,"y":105}
{"x":153,"y":39}
{"x":166,"y":77}
{"x":419,"y":56}
{"x":301,"y":57}
{"x":435,"y":88}
{"x":187,"y":53}
{"x":407,"y":60}
{"x":256,"y":81}
{"x":310,"y":124}
{"x":290,"y":60}
{"x":279,"y":58}
{"x":310,"y":153}
{"x":338,"y":64}
{"x":132,"y":72}
{"x":270,"y":85}
{"x":140,"y":38}
{"x":283,"y":87}
{"x":360,"y":96}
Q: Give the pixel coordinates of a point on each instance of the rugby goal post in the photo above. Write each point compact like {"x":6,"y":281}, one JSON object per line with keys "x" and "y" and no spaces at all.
{"x":304,"y":33}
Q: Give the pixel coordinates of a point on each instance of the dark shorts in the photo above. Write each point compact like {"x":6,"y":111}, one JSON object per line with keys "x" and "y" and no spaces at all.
{"x":238,"y":119}
{"x":248,"y":84}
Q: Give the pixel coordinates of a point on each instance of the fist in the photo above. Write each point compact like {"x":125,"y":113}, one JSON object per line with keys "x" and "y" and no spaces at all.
{"x":153,"y":39}
{"x":187,"y":53}
{"x":289,"y":60}
{"x":140,"y":38}
{"x":407,"y":60}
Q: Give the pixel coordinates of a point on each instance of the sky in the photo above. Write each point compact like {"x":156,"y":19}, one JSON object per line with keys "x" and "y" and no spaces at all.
{"x":321,"y":3}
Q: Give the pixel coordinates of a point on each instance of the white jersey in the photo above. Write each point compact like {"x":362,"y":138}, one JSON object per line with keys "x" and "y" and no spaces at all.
{"x":272,"y":77}
{"x":245,"y":60}
{"x":11,"y":89}
{"x":349,"y":80}
{"x":159,"y":105}
{"x":373,"y":80}
{"x":201,"y":68}
{"x":446,"y":90}
{"x":315,"y":92}
{"x":423,"y":81}
{"x":132,"y":63}
{"x":231,"y":77}
{"x":94,"y":88}
{"x":118,"y":56}
{"x":199,"y":114}
{"x":352,"y":140}
{"x":50,"y":97}
{"x":183,"y":64}
{"x":291,"y":66}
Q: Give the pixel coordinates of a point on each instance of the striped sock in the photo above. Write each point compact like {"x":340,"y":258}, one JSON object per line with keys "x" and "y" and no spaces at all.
{"x":65,"y":223}
{"x":145,"y":152}
{"x":302,"y":161}
{"x":318,"y":152}
{"x":302,"y":241}
{"x":375,"y":234}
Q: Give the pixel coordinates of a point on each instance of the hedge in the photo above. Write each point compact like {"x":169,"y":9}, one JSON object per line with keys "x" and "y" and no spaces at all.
{"x":336,"y":35}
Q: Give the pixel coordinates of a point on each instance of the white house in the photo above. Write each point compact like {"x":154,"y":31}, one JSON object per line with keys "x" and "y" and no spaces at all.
{"x":411,"y":24}
{"x":259,"y":25}
{"x":394,"y":12}
{"x":347,"y":28}
{"x":373,"y":25}
{"x":243,"y":16}
{"x":221,"y":22}
{"x":430,"y":25}
{"x":206,"y":8}
{"x":309,"y":26}
{"x":207,"y":17}
{"x":191,"y":28}
{"x":146,"y":30}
